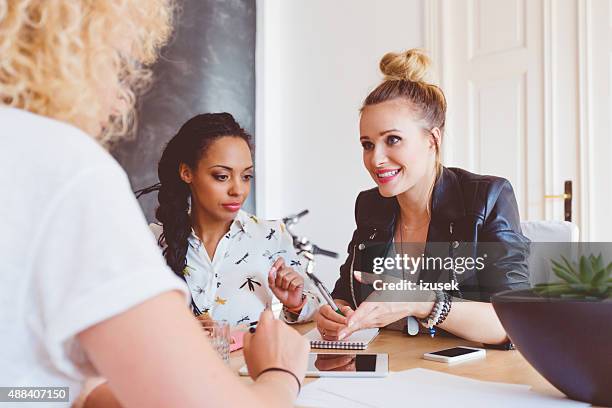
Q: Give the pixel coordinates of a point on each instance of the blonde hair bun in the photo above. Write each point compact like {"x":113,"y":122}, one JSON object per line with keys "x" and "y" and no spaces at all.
{"x":411,"y":65}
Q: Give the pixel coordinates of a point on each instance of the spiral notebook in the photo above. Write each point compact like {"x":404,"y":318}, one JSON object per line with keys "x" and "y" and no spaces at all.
{"x":356,"y":341}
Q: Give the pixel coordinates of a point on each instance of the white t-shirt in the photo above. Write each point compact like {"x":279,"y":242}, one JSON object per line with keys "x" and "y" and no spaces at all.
{"x":75,"y":249}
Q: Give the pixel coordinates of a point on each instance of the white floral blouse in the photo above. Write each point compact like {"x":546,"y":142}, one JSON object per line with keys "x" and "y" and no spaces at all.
{"x":233,"y":286}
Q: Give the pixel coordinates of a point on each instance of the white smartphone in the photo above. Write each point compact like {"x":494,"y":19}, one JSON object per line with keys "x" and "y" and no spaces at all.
{"x":456,"y":354}
{"x":344,"y":365}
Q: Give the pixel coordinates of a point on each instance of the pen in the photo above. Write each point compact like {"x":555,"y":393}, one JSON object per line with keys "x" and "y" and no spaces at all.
{"x":324,"y":292}
{"x":252,"y":325}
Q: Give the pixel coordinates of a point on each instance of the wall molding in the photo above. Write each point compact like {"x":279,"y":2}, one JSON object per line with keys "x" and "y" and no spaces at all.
{"x":585,"y":117}
{"x":433,"y":37}
{"x":434,"y":30}
{"x":549,"y":45}
{"x":267,"y":101}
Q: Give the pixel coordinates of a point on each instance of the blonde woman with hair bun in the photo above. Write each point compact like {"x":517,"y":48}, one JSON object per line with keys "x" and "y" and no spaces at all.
{"x":84,"y":290}
{"x":411,"y":65}
{"x":421,"y":209}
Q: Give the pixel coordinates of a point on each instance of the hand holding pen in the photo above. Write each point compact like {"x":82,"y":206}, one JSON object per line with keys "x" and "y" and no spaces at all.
{"x":322,"y":289}
{"x":331,"y":319}
{"x":330,"y":323}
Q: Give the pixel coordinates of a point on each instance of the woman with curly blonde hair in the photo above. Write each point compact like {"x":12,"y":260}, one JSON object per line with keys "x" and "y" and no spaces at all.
{"x":84,"y":290}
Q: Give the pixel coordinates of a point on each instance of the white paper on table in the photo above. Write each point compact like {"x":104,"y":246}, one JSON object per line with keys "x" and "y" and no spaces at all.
{"x":313,"y":397}
{"x":420,"y":386}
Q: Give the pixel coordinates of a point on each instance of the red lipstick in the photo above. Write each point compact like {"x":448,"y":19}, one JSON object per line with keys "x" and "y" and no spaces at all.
{"x":386,"y":175}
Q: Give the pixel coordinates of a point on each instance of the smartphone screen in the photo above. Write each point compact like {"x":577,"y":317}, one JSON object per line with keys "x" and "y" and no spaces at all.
{"x":454,"y":352}
{"x":342,"y":362}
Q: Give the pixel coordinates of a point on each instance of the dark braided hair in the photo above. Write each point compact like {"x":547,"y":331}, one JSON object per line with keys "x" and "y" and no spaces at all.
{"x":187,"y":146}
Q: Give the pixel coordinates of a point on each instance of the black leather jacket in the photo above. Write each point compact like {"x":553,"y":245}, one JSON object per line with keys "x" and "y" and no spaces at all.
{"x":471,"y":215}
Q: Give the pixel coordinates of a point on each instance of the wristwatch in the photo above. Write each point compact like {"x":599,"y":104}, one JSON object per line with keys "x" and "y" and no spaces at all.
{"x":412,"y":326}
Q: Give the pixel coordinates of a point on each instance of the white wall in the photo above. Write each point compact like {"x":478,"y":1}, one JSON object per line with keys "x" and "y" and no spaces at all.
{"x":316,"y":62}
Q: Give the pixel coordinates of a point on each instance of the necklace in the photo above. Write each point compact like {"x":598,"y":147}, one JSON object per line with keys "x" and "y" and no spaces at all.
{"x":414,"y":229}
{"x":402,"y":249}
{"x":412,"y":245}
{"x":426,"y":223}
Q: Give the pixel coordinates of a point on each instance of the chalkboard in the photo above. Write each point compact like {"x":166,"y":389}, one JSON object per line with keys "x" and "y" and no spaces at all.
{"x":208,"y":66}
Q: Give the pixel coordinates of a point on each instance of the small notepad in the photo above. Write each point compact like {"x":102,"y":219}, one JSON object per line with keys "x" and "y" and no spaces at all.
{"x":356,"y":341}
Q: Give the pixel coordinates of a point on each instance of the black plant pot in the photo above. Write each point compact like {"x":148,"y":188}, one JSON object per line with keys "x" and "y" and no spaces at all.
{"x":569,"y":342}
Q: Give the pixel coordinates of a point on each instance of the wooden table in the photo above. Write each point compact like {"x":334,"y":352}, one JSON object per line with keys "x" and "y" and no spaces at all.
{"x":406,"y":352}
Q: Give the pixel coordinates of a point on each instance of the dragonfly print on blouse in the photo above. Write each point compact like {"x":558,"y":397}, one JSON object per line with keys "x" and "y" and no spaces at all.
{"x":243,"y":320}
{"x":251,"y":282}
{"x":205,"y":313}
{"x":243,"y":259}
{"x":187,"y":270}
{"x":198,"y":291}
{"x":271,"y":234}
{"x":273,"y":255}
{"x":238,"y":235}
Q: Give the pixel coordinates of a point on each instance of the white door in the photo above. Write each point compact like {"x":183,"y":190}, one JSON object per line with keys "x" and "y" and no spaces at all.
{"x":596,"y":57}
{"x":519,"y":78}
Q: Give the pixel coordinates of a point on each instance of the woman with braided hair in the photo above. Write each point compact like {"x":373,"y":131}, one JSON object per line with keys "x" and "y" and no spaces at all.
{"x":233,"y":262}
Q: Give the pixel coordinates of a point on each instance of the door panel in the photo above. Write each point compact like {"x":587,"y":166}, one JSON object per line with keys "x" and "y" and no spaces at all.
{"x":492,"y":64}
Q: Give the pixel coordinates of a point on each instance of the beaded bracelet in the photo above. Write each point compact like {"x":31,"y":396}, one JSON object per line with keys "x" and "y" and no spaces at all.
{"x":438,"y":313}
{"x":446,"y":307}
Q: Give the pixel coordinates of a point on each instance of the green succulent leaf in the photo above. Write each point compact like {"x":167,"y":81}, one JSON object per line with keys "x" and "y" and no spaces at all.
{"x":566,"y":276}
{"x":549,"y":285}
{"x":580,"y":286}
{"x":572,"y":296}
{"x":570,"y":267}
{"x":588,"y":279}
{"x":599,"y":277}
{"x":563,"y":267}
{"x":586,"y":271}
{"x":555,"y":291}
{"x":597,"y":263}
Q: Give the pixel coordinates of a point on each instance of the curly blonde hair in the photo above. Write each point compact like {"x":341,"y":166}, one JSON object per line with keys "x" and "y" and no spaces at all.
{"x":81,"y":61}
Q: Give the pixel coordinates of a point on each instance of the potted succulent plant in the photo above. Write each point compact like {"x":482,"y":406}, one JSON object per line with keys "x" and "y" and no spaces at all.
{"x":564,"y":329}
{"x":588,"y":280}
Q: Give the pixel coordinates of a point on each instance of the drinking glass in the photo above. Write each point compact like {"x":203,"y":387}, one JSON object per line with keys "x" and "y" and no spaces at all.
{"x":218,"y":332}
